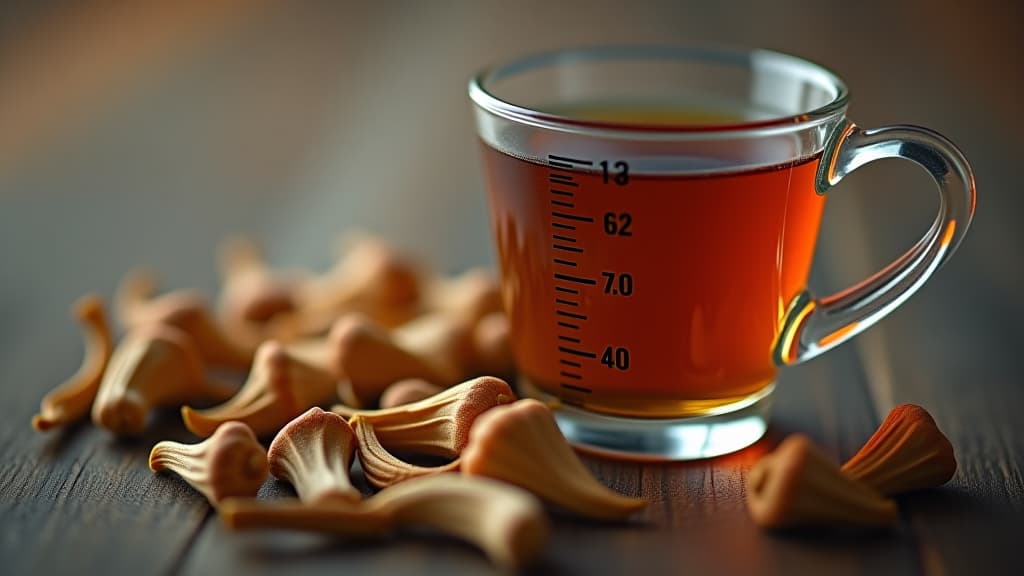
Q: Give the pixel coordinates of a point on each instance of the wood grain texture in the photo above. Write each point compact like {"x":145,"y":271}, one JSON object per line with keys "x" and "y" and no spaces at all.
{"x":80,"y":502}
{"x":931,"y":355}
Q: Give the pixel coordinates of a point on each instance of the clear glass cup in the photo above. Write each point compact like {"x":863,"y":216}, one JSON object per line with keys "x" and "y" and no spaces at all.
{"x":655,"y":211}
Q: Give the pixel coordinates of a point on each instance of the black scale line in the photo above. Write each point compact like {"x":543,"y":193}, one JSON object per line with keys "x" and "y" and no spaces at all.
{"x":566,"y":164}
{"x":564,"y":183}
{"x":567,"y":248}
{"x":576,"y":352}
{"x":576,"y":279}
{"x":572,"y":217}
{"x":570,"y":160}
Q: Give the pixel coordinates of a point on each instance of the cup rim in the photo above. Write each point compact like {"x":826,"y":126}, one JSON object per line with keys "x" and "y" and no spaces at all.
{"x":726,"y":55}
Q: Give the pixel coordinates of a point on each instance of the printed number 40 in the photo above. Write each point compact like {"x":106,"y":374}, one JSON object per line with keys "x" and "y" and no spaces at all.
{"x":616,"y":357}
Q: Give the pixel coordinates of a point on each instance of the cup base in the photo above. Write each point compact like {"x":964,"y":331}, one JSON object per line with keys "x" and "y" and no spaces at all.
{"x":731,"y":428}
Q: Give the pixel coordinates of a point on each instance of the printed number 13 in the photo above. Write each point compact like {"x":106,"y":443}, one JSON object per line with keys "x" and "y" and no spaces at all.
{"x":618,"y":172}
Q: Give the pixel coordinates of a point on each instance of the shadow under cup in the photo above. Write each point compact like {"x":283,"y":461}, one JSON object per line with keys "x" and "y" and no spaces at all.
{"x":655,"y":215}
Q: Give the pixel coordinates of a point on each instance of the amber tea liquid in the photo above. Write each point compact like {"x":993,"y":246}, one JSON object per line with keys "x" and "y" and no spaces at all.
{"x":649,"y":295}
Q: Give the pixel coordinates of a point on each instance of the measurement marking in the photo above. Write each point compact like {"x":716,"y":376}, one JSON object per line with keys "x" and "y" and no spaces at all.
{"x":563,"y":182}
{"x":570,"y":160}
{"x":572,"y":217}
{"x":567,"y":248}
{"x":576,"y":279}
{"x":560,"y":182}
{"x":576,"y":352}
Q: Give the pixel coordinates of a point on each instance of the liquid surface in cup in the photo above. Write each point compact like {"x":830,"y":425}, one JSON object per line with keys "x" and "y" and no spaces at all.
{"x":649,"y":295}
{"x":653,"y":113}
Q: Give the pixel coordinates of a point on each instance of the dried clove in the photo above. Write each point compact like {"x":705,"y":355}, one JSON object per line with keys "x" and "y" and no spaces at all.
{"x":507,"y":523}
{"x":434,"y":348}
{"x":71,"y":401}
{"x":520,"y":443}
{"x":155,"y":365}
{"x":908,"y":452}
{"x":281,"y":386}
{"x":230,"y":463}
{"x":439,"y":425}
{"x":382,"y":468}
{"x":184,"y":310}
{"x":797,"y":485}
{"x":314,"y":453}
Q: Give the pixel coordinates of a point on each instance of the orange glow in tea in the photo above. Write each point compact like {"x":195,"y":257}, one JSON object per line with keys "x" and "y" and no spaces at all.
{"x":649,"y":295}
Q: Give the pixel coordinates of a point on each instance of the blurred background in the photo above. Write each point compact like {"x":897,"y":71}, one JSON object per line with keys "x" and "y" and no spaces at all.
{"x":142,"y":132}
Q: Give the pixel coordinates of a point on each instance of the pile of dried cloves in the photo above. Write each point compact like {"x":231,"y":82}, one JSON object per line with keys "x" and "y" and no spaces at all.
{"x":796,"y":485}
{"x":402,"y":358}
{"x":405,"y":362}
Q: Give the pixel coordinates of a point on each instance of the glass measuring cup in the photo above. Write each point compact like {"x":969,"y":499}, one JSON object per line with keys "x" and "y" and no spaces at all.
{"x":655,"y":211}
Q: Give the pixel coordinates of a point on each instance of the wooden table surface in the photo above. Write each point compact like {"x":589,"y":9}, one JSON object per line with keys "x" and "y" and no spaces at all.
{"x":140,"y":135}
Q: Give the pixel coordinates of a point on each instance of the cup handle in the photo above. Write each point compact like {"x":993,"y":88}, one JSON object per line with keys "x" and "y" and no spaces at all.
{"x":815,"y":325}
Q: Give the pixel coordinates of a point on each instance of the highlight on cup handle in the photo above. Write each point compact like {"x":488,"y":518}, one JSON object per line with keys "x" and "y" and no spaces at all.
{"x":813,"y":325}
